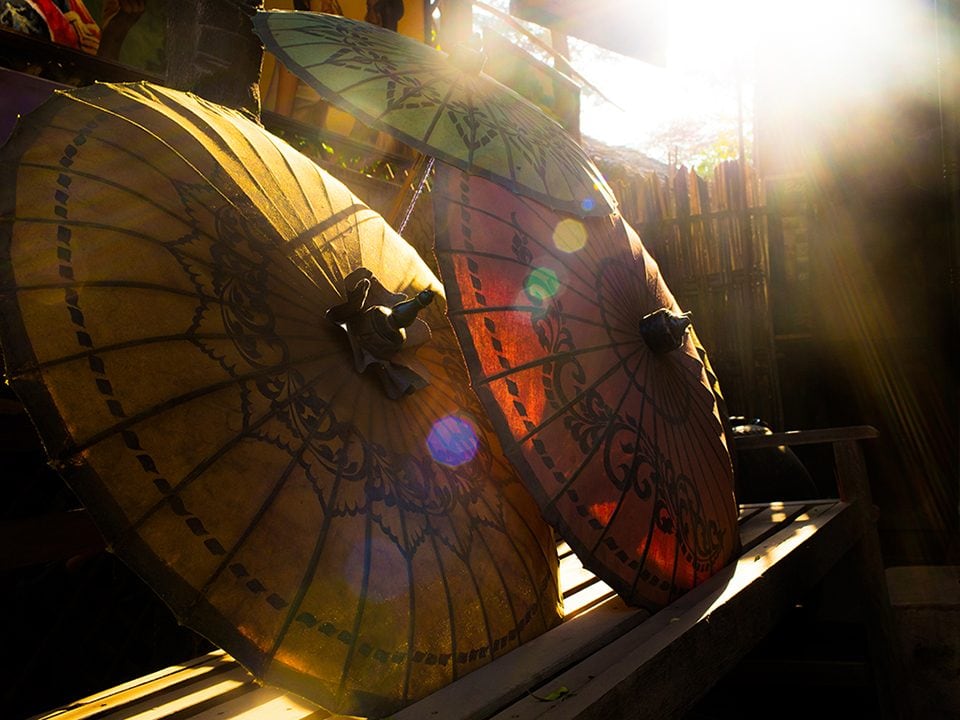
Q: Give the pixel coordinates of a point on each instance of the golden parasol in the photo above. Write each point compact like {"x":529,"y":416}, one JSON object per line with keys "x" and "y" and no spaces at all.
{"x":186,"y":309}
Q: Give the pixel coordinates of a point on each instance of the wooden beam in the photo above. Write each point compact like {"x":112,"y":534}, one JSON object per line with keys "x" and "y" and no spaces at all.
{"x":662,"y":667}
{"x":805,"y":437}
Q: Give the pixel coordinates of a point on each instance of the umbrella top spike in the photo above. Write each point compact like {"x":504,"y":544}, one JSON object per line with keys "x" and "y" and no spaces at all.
{"x":664,"y":330}
{"x":405,"y":312}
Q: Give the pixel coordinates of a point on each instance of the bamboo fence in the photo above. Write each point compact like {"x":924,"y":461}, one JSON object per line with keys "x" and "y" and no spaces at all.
{"x":710,"y":237}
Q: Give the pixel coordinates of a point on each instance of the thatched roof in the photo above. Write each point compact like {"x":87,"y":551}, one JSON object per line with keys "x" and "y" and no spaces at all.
{"x":616,"y":161}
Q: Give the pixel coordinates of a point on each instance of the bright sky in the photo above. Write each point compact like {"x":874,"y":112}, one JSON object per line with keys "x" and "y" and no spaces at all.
{"x":698,"y":84}
{"x":710,"y":43}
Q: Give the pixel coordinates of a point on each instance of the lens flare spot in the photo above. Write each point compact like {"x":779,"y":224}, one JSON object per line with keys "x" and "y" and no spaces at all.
{"x":587,"y":204}
{"x":541,"y":284}
{"x":453,"y":441}
{"x":570,"y":235}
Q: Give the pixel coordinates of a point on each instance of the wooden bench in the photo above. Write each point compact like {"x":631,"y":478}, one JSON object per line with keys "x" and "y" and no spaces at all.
{"x":607,"y":660}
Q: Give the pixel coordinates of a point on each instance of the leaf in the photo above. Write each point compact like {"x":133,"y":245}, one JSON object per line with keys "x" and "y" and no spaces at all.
{"x":561,"y":693}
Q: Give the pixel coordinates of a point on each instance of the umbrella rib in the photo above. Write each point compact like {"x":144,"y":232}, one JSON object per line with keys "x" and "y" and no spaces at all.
{"x":202,"y":122}
{"x":307,"y":577}
{"x":548,"y":359}
{"x":278,"y":196}
{"x":573,"y":401}
{"x":516,"y":227}
{"x":412,"y":589}
{"x":682,"y":539}
{"x":451,"y":617}
{"x":337,"y":95}
{"x":157,"y":138}
{"x":574,"y":476}
{"x":171,"y":403}
{"x":361,"y":604}
{"x":438,"y":113}
{"x":636,"y":441}
{"x":592,"y":299}
{"x":470,"y":572}
{"x":146,"y":199}
{"x":393,"y":430}
{"x":530,"y":309}
{"x":306,"y":235}
{"x":137,"y":285}
{"x":411,"y":609}
{"x":146,"y":161}
{"x":193,"y":168}
{"x":642,"y":560}
{"x":534,"y":585}
{"x":476,"y":588}
{"x":260,"y":513}
{"x":660,"y":491}
{"x":286,"y":264}
{"x":104,"y":349}
{"x":503,"y":583}
{"x":708,"y":458}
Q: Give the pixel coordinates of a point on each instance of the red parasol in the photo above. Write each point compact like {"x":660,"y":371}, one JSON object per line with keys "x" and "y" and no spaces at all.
{"x":582,"y":358}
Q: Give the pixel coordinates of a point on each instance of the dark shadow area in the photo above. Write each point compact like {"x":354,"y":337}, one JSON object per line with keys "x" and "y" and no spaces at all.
{"x":80,"y":623}
{"x":811,"y":665}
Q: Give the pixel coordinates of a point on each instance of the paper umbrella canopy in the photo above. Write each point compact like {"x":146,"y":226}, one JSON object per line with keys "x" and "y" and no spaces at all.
{"x":220,"y":348}
{"x":594,"y":382}
{"x":442,"y":105}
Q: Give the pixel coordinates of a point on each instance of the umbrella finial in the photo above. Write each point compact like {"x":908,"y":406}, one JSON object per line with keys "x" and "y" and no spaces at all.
{"x":384,"y":332}
{"x":664,"y":330}
{"x":404,"y":313}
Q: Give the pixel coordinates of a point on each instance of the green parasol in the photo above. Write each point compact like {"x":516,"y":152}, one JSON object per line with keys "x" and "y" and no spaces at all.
{"x":443,"y":106}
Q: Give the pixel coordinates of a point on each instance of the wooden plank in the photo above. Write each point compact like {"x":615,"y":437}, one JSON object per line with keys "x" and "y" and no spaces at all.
{"x":494,"y":686}
{"x":587,"y":598}
{"x":207,"y":668}
{"x":660,"y":668}
{"x":581,"y":589}
{"x":573,"y":575}
{"x":771,"y":519}
{"x":212,"y":689}
{"x":265,"y":703}
{"x":805,"y":437}
{"x":169,"y":674}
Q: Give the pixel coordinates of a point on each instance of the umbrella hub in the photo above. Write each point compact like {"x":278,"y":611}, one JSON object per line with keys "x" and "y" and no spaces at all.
{"x":664,"y":330}
{"x":382,"y":329}
{"x":384,"y":332}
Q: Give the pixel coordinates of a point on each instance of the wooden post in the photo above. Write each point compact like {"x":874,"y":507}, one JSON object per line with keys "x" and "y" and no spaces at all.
{"x":870,"y":582}
{"x":213,"y":51}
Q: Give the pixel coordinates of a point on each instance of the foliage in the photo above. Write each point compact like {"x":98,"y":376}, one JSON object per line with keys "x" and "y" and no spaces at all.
{"x":698,"y":143}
